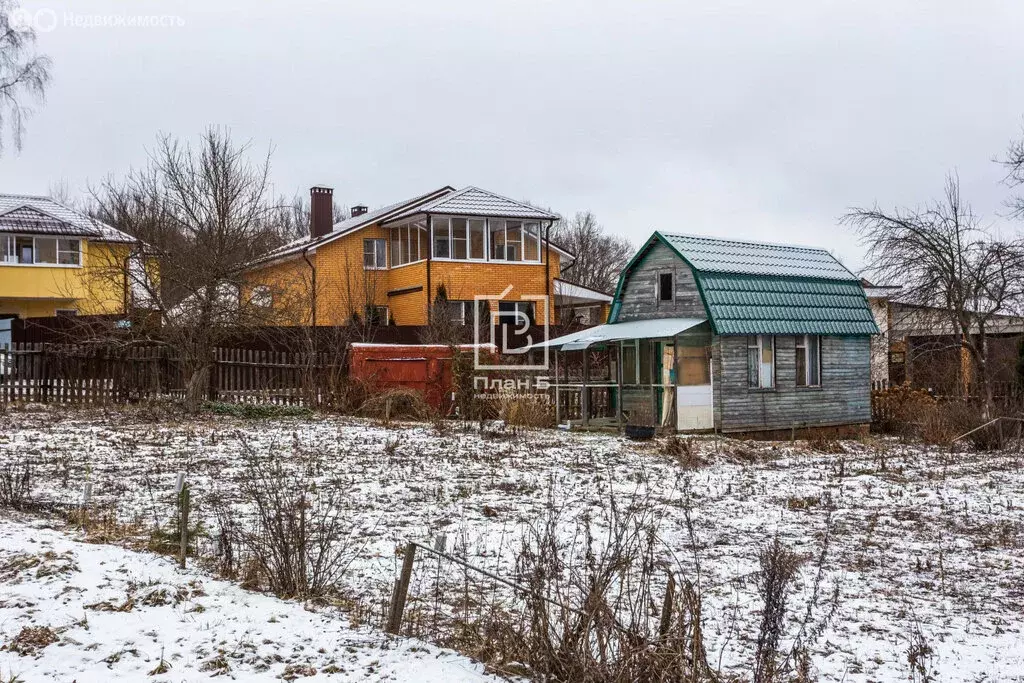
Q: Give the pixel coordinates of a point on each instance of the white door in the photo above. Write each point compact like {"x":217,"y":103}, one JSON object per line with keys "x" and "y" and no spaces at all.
{"x":694,"y":396}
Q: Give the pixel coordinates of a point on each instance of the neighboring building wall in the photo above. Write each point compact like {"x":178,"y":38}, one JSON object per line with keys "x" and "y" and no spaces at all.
{"x":640,"y":293}
{"x":407,"y":308}
{"x":843,"y":398}
{"x":464,"y":280}
{"x":880,"y":342}
{"x":95,"y":288}
{"x":344,"y":287}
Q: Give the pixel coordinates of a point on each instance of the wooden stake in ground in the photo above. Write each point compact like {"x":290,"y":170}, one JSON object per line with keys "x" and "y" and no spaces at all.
{"x":401,"y":591}
{"x":183,"y":506}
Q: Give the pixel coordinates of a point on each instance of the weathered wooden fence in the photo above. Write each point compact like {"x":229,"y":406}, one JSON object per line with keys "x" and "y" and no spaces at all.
{"x":92,"y":374}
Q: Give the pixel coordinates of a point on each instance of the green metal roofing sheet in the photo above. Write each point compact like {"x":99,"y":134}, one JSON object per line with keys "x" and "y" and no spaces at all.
{"x":760,"y":288}
{"x":763,"y":304}
{"x":712,"y":254}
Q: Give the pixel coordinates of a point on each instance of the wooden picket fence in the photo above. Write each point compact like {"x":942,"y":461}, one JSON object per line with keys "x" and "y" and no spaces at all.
{"x":90,"y":374}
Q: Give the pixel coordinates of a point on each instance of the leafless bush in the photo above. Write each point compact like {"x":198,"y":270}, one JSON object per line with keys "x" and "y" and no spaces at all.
{"x":297,"y":545}
{"x":590,"y":607}
{"x":779,"y":566}
{"x":16,"y":485}
{"x":683,"y":450}
{"x":920,"y":656}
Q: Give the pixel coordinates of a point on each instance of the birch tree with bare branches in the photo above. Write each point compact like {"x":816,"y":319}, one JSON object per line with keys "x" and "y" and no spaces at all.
{"x":24,"y":74}
{"x":950,"y":266}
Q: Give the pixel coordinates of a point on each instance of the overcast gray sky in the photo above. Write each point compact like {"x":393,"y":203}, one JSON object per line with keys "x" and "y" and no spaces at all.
{"x":735,"y":119}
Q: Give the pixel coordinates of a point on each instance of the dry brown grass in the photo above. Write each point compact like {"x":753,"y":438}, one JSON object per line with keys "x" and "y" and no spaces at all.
{"x":396,"y":404}
{"x":529,"y":412}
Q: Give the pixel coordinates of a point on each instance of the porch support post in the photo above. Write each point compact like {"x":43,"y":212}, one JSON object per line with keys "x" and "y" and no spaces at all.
{"x":558,"y":403}
{"x":618,"y":382}
{"x":674,"y":384}
{"x":655,"y":351}
{"x":585,"y":398}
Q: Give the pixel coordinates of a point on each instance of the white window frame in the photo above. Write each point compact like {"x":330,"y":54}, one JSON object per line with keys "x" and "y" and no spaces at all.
{"x":803,"y":342}
{"x":446,"y":235}
{"x":758,"y":342}
{"x":10,"y":252}
{"x":404,"y":241}
{"x":376,"y":265}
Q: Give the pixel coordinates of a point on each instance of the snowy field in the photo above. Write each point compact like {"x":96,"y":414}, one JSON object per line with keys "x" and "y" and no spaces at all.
{"x":902,"y":544}
{"x":72,"y":611}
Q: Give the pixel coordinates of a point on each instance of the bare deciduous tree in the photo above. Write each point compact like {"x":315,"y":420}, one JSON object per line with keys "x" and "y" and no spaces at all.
{"x":205,"y":212}
{"x":960,"y":275}
{"x":600,"y":256}
{"x":291,"y":217}
{"x":23,"y":72}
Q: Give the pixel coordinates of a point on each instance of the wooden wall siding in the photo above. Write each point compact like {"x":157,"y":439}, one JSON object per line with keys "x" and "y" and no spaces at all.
{"x":639,"y":295}
{"x":844,"y":397}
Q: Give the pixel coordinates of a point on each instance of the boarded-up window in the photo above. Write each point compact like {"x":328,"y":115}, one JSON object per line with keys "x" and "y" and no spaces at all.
{"x":693,"y":366}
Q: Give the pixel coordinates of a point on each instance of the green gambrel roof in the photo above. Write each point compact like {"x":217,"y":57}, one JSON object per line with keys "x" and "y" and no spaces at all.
{"x":765,"y":304}
{"x":759,"y":288}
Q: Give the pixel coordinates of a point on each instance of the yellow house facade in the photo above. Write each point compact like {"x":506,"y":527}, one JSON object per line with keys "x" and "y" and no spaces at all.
{"x":56,"y":261}
{"x":390,"y":264}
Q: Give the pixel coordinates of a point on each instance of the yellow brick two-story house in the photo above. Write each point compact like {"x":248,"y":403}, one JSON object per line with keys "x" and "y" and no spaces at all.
{"x":55,"y":261}
{"x":391,"y":262}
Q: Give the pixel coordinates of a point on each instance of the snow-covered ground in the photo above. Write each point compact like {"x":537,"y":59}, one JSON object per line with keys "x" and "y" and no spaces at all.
{"x":918,"y":539}
{"x":71,"y":610}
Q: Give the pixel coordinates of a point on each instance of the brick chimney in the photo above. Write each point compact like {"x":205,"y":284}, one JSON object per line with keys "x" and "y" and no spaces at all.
{"x":359,"y":210}
{"x":321,"y":211}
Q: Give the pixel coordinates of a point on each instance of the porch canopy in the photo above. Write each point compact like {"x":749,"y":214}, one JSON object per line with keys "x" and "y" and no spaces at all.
{"x":658,"y":328}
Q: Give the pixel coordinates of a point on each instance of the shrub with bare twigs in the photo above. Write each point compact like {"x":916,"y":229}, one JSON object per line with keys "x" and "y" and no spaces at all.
{"x":779,"y":566}
{"x":16,"y":485}
{"x":295,"y":544}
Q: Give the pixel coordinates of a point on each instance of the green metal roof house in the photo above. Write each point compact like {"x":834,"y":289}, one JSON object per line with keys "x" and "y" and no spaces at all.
{"x":739,"y":337}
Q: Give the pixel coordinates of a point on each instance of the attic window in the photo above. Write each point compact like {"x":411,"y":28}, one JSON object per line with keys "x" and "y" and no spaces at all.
{"x":665,"y":289}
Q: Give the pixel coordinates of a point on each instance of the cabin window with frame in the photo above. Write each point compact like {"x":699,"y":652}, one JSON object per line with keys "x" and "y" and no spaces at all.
{"x":808,"y":360}
{"x":666,"y":292}
{"x":375,"y":254}
{"x":761,"y":361}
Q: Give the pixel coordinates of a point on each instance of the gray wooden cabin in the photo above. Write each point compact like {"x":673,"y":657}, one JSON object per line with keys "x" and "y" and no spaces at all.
{"x":737,"y":337}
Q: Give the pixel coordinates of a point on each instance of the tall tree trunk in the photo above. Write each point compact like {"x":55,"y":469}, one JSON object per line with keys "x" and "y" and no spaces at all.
{"x":197,"y":387}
